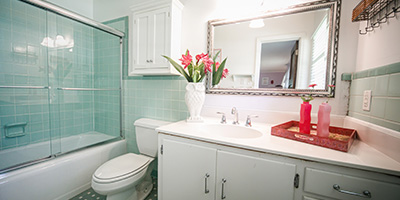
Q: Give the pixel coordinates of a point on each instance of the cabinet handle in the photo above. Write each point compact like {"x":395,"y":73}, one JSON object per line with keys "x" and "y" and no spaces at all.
{"x":150,"y":61}
{"x":223,"y":196}
{"x":365,"y":194}
{"x":206,"y":190}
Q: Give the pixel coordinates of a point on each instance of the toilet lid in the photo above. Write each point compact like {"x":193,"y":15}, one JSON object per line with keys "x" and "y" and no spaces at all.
{"x":121,"y":166}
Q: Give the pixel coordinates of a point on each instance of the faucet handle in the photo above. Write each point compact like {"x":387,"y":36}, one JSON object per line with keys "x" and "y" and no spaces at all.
{"x":248,"y":120}
{"x":223,"y":119}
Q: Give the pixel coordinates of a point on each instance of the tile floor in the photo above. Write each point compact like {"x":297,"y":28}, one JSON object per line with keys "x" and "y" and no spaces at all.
{"x":90,"y":194}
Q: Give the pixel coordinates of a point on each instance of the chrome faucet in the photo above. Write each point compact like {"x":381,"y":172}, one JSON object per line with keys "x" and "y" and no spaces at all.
{"x":248,"y":120}
{"x":223,"y":118}
{"x":235,"y":112}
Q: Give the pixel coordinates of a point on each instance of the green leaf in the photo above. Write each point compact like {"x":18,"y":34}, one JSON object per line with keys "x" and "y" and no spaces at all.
{"x":217,"y":75}
{"x":190,"y":69}
{"x":216,"y":55}
{"x":195,"y":76}
{"x":179,"y":69}
{"x":202,"y":73}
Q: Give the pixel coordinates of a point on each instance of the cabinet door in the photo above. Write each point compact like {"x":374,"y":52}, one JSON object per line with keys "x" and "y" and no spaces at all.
{"x":254,"y":178}
{"x":151,"y":33}
{"x":161,"y":41}
{"x":141,"y":37}
{"x":184,"y":171}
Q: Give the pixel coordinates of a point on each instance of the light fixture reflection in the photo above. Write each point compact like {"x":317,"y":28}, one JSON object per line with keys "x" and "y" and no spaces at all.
{"x":59,"y":43}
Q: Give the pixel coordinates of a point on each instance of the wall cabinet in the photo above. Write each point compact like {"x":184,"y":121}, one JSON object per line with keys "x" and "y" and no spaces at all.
{"x":192,"y":169}
{"x":156,"y":31}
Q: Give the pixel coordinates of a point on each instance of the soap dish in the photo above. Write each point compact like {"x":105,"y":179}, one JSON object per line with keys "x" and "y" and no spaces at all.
{"x":339,"y":138}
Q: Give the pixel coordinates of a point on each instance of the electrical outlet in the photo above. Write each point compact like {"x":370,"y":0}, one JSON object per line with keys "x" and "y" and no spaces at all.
{"x":366,"y":106}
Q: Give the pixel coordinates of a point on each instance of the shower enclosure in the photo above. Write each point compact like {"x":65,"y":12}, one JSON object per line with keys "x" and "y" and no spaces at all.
{"x":60,"y":82}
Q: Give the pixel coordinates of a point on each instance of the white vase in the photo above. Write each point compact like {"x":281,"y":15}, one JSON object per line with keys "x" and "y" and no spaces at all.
{"x":194,"y":97}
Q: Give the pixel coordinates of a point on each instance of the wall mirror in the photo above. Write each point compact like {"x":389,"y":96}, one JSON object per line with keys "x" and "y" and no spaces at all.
{"x":278,"y":52}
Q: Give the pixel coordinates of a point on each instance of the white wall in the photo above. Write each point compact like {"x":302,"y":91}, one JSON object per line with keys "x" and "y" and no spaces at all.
{"x":380,"y":47}
{"x":105,"y":10}
{"x":82,"y":7}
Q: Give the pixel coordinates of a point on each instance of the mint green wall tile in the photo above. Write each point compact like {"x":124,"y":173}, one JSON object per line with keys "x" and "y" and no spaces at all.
{"x":392,"y":111}
{"x":381,"y":86}
{"x":355,"y":104}
{"x":393,"y":68}
{"x":377,"y":71}
{"x":394,"y":85}
{"x":358,"y":86}
{"x":388,"y":124}
{"x":378,"y":107}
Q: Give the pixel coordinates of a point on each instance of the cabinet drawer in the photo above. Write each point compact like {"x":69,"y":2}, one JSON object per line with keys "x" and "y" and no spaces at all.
{"x":322,"y":183}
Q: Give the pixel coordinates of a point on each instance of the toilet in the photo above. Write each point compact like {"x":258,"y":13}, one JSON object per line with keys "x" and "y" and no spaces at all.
{"x":128,"y":177}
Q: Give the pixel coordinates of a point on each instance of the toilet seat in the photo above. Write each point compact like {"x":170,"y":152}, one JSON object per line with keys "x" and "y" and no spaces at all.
{"x":121,"y":168}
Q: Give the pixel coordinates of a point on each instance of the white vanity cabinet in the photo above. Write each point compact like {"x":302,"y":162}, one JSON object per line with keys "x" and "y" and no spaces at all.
{"x":156,"y":31}
{"x":334,"y":182}
{"x":195,"y":170}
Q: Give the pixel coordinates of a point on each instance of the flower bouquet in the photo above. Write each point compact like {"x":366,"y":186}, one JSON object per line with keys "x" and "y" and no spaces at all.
{"x":194,"y":72}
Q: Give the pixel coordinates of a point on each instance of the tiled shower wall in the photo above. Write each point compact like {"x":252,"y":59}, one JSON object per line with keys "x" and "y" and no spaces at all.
{"x":22,"y":61}
{"x":92,"y":62}
{"x":156,"y":97}
{"x":384,"y":82}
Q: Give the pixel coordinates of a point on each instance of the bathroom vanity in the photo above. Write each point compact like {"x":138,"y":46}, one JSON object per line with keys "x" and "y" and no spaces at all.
{"x":220,"y":161}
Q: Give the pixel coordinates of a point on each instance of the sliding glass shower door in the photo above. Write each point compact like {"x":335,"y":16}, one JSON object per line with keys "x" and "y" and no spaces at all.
{"x":60,"y":84}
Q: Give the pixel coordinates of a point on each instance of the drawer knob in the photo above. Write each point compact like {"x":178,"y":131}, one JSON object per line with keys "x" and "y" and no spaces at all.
{"x":365,"y":194}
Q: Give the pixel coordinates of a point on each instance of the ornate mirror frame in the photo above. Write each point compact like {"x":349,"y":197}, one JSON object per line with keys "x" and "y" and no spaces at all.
{"x":334,"y":21}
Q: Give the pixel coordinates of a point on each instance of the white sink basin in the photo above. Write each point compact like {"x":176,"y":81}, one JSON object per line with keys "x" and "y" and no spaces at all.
{"x":231,"y":131}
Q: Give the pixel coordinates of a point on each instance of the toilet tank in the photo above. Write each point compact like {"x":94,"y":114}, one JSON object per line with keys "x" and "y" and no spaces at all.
{"x":146,"y":135}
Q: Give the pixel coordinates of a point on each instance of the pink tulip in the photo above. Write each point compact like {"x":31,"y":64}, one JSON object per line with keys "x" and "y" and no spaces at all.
{"x":207,"y":62}
{"x":186,"y":59}
{"x":200,"y":56}
{"x":312,"y":85}
{"x":217,"y":64}
{"x":225,"y":73}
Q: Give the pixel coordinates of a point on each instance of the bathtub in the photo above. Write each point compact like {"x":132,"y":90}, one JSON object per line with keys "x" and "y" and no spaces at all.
{"x":14,"y":156}
{"x":62,"y":177}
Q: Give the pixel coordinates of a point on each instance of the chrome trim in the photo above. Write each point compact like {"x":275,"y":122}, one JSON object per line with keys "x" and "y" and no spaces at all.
{"x":206,"y":190}
{"x":53,"y":156}
{"x":74,"y":16}
{"x":120,"y":86}
{"x":25,"y":87}
{"x":223,"y":196}
{"x":87,"y":89}
{"x":365,"y":193}
{"x":335,"y":12}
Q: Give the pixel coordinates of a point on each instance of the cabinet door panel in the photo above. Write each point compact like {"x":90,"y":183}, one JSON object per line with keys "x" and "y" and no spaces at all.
{"x":161,"y":35}
{"x":141,"y":39}
{"x":184,"y":169}
{"x":253,"y":178}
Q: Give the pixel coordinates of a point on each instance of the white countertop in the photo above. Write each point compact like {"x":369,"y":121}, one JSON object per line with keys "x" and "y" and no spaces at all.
{"x":360,"y":155}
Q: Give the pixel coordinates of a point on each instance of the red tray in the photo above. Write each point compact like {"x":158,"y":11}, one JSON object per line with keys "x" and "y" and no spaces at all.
{"x":339,"y":138}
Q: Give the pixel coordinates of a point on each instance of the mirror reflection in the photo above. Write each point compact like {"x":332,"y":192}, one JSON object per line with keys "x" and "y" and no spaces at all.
{"x":282,"y":51}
